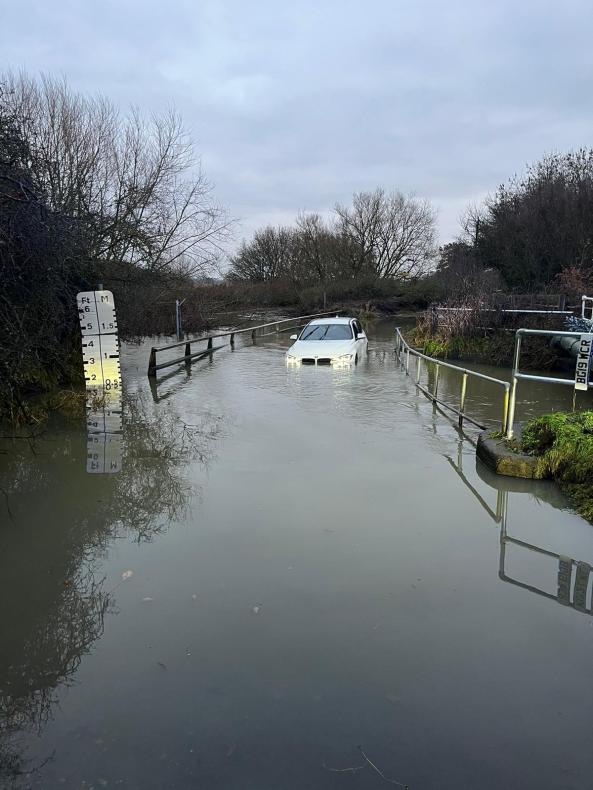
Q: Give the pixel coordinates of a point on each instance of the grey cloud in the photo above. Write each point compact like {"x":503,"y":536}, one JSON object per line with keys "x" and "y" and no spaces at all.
{"x":295,"y":106}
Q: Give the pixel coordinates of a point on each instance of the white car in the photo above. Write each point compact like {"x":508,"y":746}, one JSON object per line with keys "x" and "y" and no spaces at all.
{"x":328,"y":341}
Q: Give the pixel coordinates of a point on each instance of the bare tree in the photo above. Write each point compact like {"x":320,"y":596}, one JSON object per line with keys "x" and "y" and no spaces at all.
{"x":321,"y":255}
{"x":462,"y":278}
{"x":268,"y":256}
{"x":379,"y":236}
{"x":359,"y":224}
{"x":135,"y":182}
{"x":392,"y":235}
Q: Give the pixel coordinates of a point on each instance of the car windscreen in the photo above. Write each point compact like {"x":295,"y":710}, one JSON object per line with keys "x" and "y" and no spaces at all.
{"x":327,"y":332}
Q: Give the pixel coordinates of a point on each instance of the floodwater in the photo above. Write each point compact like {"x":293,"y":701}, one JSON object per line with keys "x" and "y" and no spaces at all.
{"x":294,"y":572}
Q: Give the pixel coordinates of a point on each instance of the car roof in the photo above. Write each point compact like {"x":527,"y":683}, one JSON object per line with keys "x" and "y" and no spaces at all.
{"x":330,"y":320}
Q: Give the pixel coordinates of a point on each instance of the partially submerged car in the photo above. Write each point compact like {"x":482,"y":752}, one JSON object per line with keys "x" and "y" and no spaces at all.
{"x":328,"y":341}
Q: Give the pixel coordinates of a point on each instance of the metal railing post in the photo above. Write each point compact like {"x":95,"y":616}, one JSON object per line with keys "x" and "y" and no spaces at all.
{"x":418,"y":369}
{"x":511,"y":412}
{"x":188,"y":353}
{"x":209,"y":343}
{"x":232,"y":340}
{"x":514,"y":382}
{"x":408,"y":362}
{"x":152,"y":363}
{"x":436,"y":383}
{"x":505,"y":408}
{"x":462,"y":399}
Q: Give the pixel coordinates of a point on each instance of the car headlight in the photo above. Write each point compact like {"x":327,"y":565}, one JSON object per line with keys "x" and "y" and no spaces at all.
{"x":346,"y":357}
{"x":290,"y":358}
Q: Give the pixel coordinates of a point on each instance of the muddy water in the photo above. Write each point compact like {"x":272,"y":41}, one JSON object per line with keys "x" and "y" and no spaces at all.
{"x":291,"y":564}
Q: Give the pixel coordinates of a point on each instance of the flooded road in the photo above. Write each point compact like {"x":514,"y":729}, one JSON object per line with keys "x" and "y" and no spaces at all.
{"x":291,"y":565}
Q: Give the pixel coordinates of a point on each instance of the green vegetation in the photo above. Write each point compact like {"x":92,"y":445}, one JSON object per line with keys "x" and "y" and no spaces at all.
{"x":491,"y":348}
{"x":563,"y":444}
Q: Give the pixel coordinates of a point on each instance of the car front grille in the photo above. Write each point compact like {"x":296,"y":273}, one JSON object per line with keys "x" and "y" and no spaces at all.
{"x":313,"y":361}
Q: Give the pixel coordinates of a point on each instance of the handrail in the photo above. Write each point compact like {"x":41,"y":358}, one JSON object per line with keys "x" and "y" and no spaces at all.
{"x":517,"y":376}
{"x":188,"y":356}
{"x":401,"y":347}
{"x":503,"y":310}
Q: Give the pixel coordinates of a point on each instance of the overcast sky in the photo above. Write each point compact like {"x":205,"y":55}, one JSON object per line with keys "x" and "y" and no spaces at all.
{"x":296,"y":105}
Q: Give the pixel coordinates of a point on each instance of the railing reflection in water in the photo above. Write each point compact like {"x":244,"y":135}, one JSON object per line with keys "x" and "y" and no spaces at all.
{"x":574,"y":587}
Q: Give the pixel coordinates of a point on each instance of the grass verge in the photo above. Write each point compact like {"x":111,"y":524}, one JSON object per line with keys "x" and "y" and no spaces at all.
{"x":563,"y":444}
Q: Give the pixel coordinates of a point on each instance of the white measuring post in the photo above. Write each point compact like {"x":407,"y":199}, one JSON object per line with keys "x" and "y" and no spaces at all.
{"x":102,"y":373}
{"x":581,"y":380}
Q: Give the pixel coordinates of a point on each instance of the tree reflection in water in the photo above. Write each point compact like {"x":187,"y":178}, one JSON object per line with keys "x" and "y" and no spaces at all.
{"x":55,"y":524}
{"x":152,"y":489}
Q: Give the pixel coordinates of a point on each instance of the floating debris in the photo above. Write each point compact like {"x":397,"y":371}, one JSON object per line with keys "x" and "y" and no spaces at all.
{"x":370,"y":764}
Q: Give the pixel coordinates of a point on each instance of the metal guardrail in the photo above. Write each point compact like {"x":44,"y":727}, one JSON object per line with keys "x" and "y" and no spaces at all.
{"x":188,"y":356}
{"x":517,"y":376}
{"x":404,"y":352}
{"x":502,"y":310}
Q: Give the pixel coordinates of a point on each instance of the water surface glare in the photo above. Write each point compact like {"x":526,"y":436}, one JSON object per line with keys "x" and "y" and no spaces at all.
{"x":318,"y":563}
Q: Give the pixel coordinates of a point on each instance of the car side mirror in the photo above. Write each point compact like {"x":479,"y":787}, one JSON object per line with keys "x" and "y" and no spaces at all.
{"x":361,"y":336}
{"x":294,"y":337}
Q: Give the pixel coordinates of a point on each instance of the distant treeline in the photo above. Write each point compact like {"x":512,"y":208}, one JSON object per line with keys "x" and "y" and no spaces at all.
{"x":533,"y":234}
{"x":379,"y":236}
{"x":377,"y":248}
